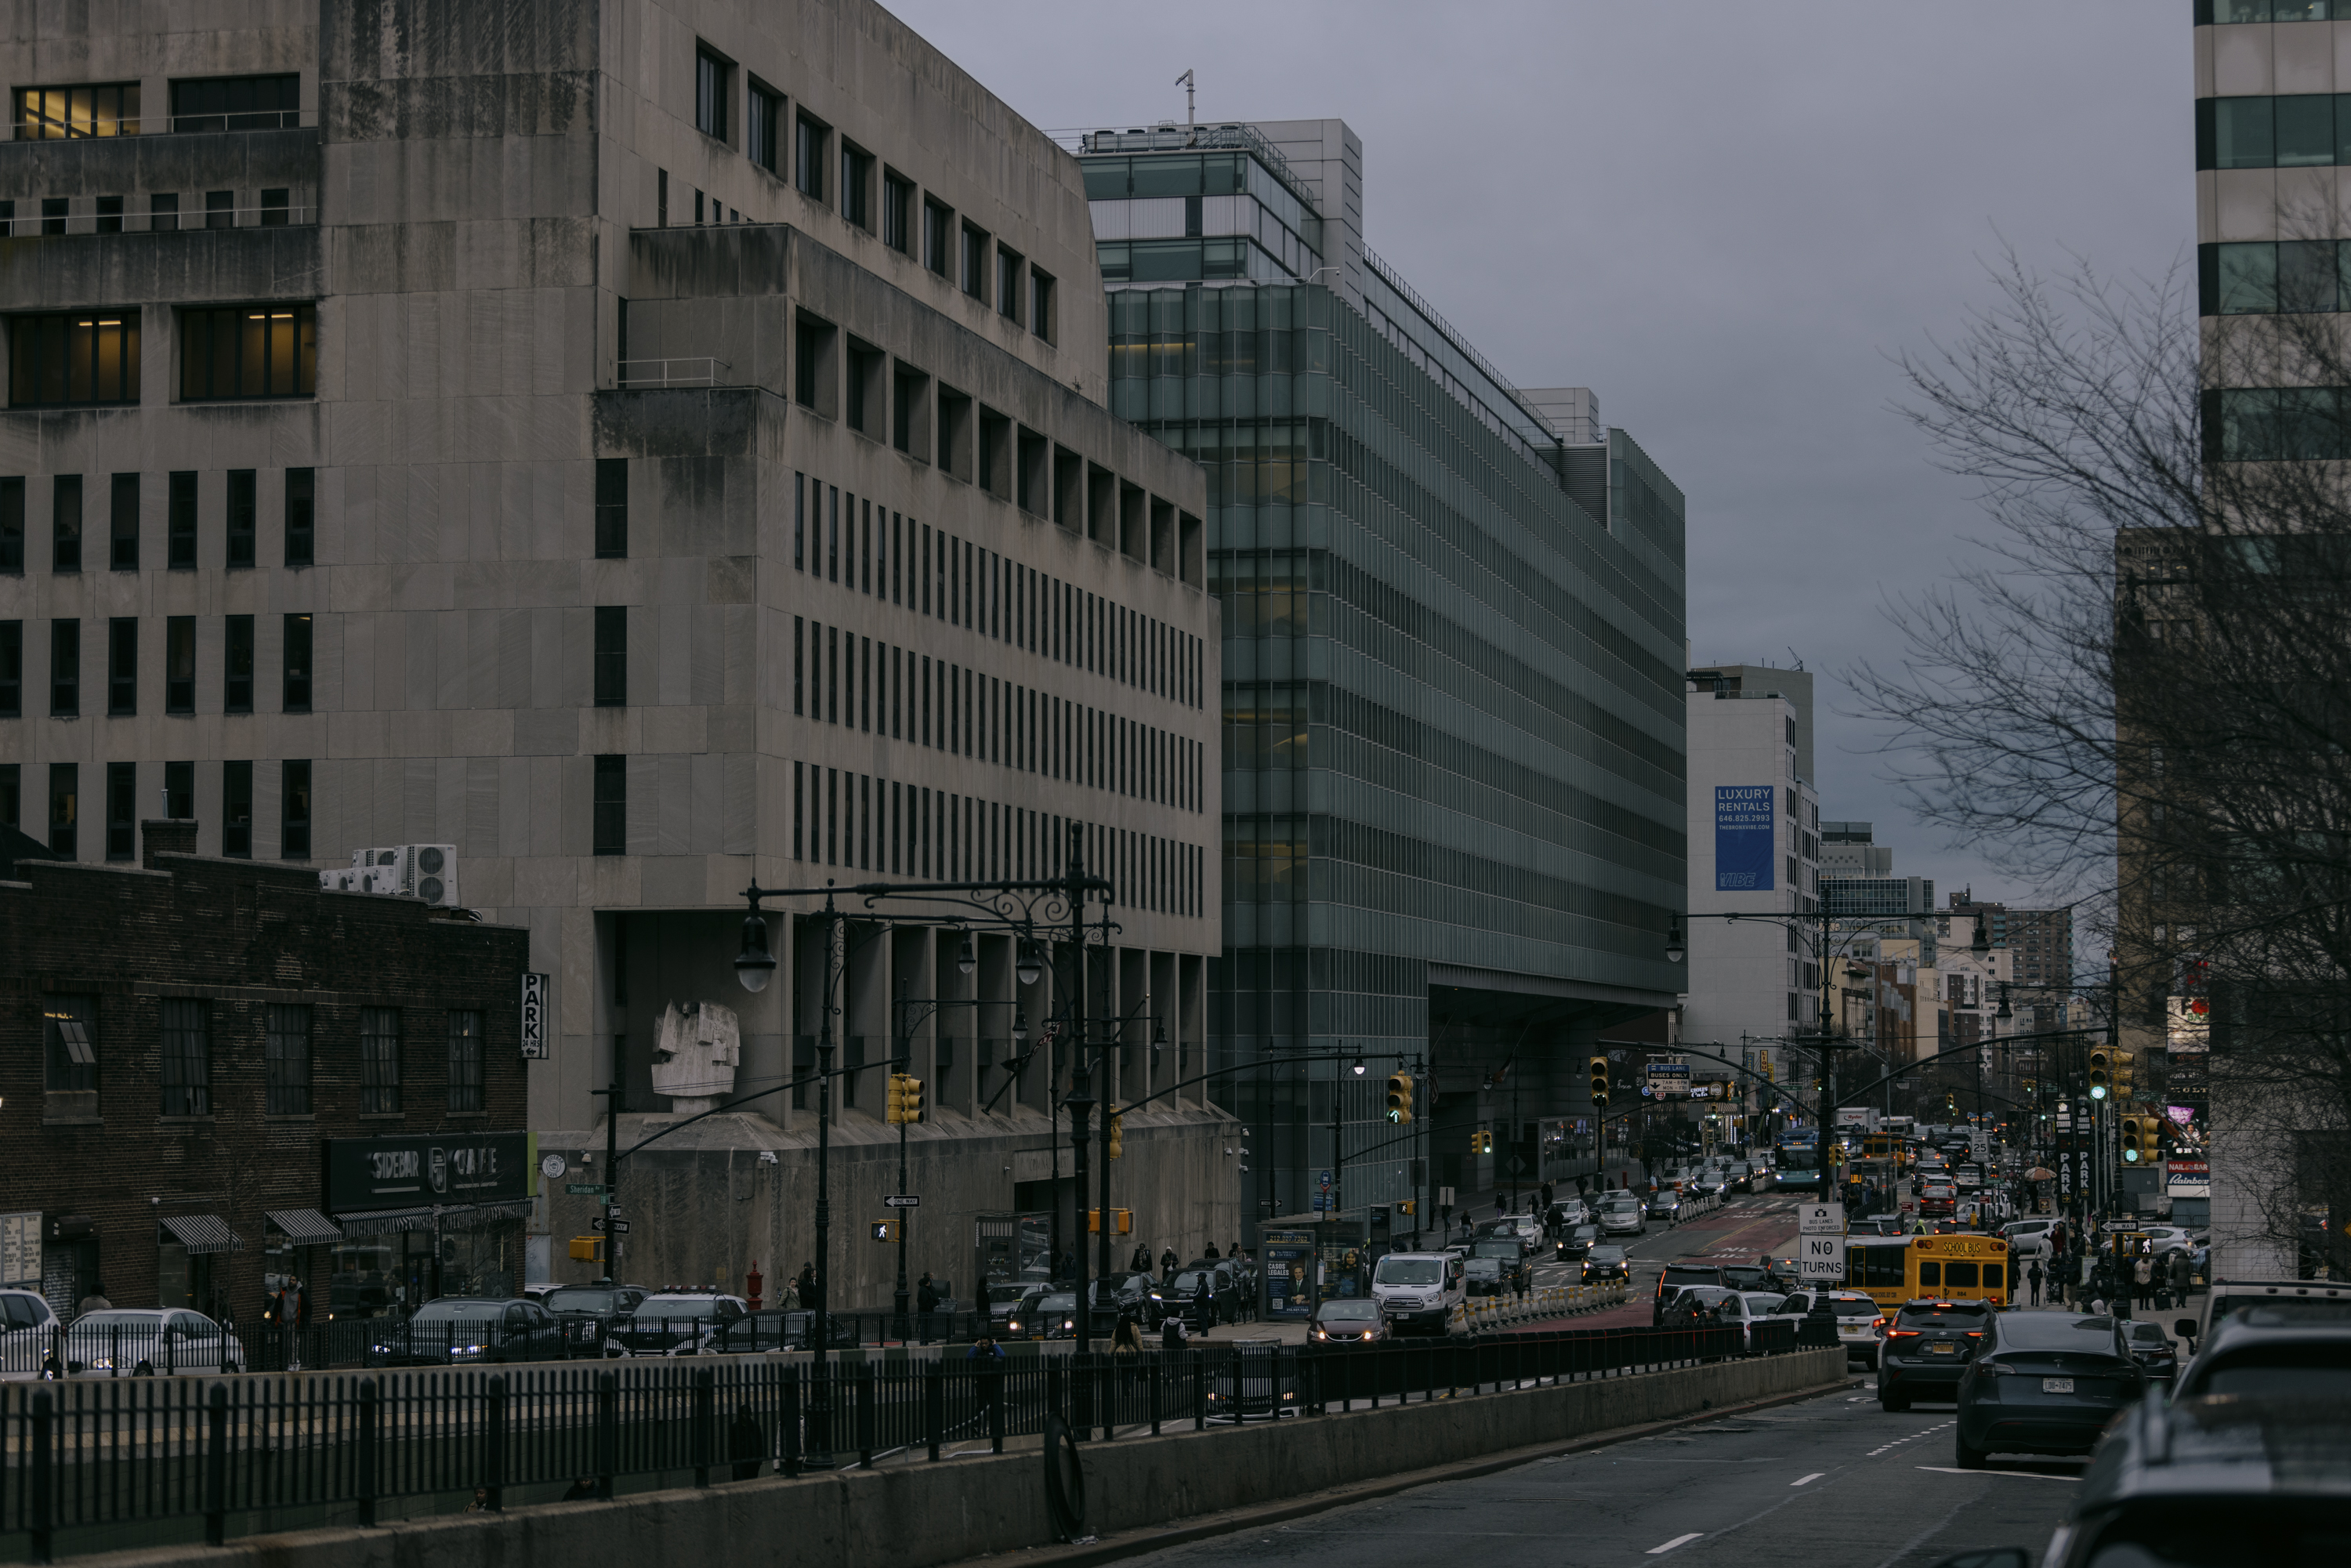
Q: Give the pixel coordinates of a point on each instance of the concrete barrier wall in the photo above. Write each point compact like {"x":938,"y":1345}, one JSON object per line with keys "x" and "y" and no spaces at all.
{"x":914,"y":1515}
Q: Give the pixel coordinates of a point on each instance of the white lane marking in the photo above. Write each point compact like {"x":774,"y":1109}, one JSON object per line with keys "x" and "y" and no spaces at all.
{"x":1677,"y":1540}
{"x":2028,"y":1475}
{"x":1807,"y":1480}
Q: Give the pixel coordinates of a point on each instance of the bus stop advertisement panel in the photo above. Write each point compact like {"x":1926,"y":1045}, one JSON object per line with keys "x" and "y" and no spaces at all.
{"x":1284,"y":1257}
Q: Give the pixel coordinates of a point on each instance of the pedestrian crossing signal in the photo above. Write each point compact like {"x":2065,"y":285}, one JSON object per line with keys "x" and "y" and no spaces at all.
{"x":1400,"y":1098}
{"x":886,"y":1229}
{"x":1406,"y":1206}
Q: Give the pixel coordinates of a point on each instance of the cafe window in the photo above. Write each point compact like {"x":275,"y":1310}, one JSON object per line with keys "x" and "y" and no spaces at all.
{"x":92,"y":109}
{"x":70,"y":1026}
{"x":248,"y":350}
{"x":58,"y":360}
{"x":465,"y":1060}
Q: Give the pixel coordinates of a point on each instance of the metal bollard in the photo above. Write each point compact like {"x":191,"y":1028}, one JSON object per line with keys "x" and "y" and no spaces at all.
{"x":217,"y":1466}
{"x":866,"y":1415}
{"x":792,"y":1422}
{"x":494,"y":1455}
{"x":1199,"y":1390}
{"x":935,"y":1406}
{"x":993,"y":1370}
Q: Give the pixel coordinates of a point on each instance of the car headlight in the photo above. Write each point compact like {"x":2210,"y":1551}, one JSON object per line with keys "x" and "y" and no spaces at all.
{"x":103,"y":1363}
{"x":1013,"y":1324}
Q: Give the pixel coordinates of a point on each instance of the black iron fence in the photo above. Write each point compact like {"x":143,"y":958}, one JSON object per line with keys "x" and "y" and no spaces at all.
{"x":86,"y":1456}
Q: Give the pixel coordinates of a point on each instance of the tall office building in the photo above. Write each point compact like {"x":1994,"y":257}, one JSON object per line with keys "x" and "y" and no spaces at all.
{"x":635,"y":451}
{"x":1453,"y":741}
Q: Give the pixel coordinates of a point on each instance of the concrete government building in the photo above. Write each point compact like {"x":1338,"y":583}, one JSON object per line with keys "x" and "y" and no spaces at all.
{"x":640,"y":449}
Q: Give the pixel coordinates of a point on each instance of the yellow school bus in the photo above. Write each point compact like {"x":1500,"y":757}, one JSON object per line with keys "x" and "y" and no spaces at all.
{"x":1892,"y":1270}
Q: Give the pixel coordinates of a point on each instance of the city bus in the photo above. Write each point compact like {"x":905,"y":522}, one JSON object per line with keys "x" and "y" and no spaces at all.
{"x":1892,"y":1270}
{"x":1796,"y":1159}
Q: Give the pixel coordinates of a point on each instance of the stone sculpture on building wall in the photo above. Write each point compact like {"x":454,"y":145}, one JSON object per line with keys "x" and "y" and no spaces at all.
{"x":697,"y":1047}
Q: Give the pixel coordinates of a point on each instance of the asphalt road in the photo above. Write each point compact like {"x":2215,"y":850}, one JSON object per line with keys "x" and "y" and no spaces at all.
{"x":1743,"y":1231}
{"x":1833,"y":1480}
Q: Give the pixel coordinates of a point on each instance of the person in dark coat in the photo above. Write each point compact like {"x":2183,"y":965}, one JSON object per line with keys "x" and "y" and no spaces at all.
{"x":746,"y":1444}
{"x":1212,"y":1251}
{"x":926,"y":1303}
{"x":1141,"y":1262}
{"x":806,"y":1286}
{"x":1167,"y":1261}
{"x":2033,"y":1278}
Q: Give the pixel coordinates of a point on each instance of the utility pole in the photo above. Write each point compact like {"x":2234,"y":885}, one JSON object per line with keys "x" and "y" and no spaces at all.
{"x":1080,"y":1100}
{"x":611,"y":1098}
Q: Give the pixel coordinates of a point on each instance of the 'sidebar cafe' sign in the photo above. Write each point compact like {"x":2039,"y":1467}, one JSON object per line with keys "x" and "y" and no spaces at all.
{"x":419,"y":1170}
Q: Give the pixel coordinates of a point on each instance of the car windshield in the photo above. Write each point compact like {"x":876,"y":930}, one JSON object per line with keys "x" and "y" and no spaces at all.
{"x":2050,"y":1331}
{"x":678,"y":1308}
{"x":446,"y":1312}
{"x":1608,"y":1255}
{"x":2302,"y":1372}
{"x":2147,"y":1334}
{"x":1408,"y":1271}
{"x":999,"y":1294}
{"x":1062,"y":1301}
{"x":1485,"y":1267}
{"x":581,"y":1300}
{"x":1744,"y":1276}
{"x":1584,"y":1233}
{"x":1762,"y":1303}
{"x":1951,"y":1315}
{"x":1189,"y":1282}
{"x":149,"y":1321}
{"x":1495,"y":1249}
{"x":1355,"y":1311}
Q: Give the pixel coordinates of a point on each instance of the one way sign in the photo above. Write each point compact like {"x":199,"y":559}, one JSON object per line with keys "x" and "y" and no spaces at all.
{"x":618,"y":1227}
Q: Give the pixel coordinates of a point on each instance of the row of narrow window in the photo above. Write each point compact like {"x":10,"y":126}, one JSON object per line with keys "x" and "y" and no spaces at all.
{"x":892,"y":557}
{"x":159,"y":212}
{"x":122,"y":670}
{"x":78,"y":1053}
{"x":122,"y":808}
{"x":69,"y":552}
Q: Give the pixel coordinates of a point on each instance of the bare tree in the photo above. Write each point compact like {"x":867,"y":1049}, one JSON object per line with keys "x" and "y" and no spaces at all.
{"x":2136,"y":698}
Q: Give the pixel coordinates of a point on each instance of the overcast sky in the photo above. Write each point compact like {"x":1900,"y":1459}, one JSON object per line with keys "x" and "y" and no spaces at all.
{"x":1723,"y":215}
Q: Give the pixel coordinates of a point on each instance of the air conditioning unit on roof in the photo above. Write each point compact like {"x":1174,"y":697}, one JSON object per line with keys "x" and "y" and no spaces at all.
{"x":432,"y":873}
{"x":388,"y":865}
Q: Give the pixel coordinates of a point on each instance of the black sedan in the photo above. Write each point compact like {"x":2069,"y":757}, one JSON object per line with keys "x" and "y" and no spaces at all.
{"x":1926,"y":1348}
{"x":2153,"y":1350}
{"x":2044,"y":1382}
{"x":1576,"y":1241}
{"x":1605,"y":1265}
{"x":677,"y":1322}
{"x":467,"y":1331}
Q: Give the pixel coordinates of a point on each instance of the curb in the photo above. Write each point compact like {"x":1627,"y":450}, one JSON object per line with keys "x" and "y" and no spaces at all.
{"x":1209,"y":1526}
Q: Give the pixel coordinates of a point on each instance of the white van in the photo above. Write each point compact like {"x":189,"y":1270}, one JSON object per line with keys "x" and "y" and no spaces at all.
{"x":1418,"y":1291}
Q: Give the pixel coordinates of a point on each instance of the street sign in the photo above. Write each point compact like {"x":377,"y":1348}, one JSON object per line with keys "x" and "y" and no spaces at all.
{"x":1326,"y":1181}
{"x":902,"y":1200}
{"x":1518,"y":1166}
{"x":618,"y":1227}
{"x":1819,"y":1219}
{"x":534,"y":1015}
{"x":1324,"y":1202}
{"x":583,"y":1188}
{"x":1819,"y":1257}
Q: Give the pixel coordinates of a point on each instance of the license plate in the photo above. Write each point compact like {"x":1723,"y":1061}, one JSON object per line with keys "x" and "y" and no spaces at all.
{"x":2056,"y":1385}
{"x":1945,"y":1350}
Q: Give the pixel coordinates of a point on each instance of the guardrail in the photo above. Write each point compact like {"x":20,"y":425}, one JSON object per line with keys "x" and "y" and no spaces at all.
{"x":276,"y":1451}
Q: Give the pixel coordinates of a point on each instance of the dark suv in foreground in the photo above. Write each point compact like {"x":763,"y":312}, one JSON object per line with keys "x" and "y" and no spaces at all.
{"x":1928,"y":1346}
{"x":589,"y":1314}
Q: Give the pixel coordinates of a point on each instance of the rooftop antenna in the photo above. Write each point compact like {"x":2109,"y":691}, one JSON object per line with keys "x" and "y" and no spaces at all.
{"x":1191,"y":120}
{"x":1798,"y":657}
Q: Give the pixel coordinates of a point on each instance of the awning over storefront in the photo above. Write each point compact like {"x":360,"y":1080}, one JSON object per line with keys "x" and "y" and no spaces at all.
{"x":305,"y":1227}
{"x":201,"y":1233}
{"x":456,"y":1216}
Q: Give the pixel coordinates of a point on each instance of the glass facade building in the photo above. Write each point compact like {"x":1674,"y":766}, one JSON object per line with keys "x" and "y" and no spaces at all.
{"x":1454,"y":746}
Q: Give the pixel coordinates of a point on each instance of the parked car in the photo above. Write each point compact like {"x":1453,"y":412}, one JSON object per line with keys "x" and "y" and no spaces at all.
{"x":2043,"y":1383}
{"x":1860,"y":1323}
{"x":789,"y":1329}
{"x":1605,"y":1265}
{"x":589,"y":1314}
{"x":466,"y":1331}
{"x":1928,"y":1345}
{"x":675,"y":1321}
{"x":1350,"y":1321}
{"x":26,"y":1330}
{"x":148,"y":1343}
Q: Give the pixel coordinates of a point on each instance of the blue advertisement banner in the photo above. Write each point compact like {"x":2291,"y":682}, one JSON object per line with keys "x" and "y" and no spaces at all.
{"x":1745,"y":816}
{"x":1284,"y":1257}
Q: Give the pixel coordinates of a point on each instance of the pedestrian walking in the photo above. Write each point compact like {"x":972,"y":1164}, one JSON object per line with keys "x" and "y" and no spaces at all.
{"x":1127,"y":1336}
{"x":746,"y":1445}
{"x":2183,"y":1271}
{"x":805,"y":1287}
{"x":2033,"y":1279}
{"x":1167,"y":1261}
{"x":1141,"y":1262}
{"x":985,"y":1359}
{"x":1171,"y":1331}
{"x":926,"y":1303}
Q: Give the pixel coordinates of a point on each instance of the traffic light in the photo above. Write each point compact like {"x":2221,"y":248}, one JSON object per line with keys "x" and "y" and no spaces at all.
{"x":1481,"y":1143}
{"x":1400,"y":1098}
{"x":2101,"y":1073}
{"x":2130,"y":1140}
{"x":1600,"y":1080}
{"x":1122,"y":1221}
{"x":905,"y":1100}
{"x":2122,"y":1075}
{"x":2151,"y":1140}
{"x":1111,"y":1135}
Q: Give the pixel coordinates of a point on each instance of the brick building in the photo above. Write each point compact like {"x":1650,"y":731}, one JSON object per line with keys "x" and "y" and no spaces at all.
{"x":181,"y":1039}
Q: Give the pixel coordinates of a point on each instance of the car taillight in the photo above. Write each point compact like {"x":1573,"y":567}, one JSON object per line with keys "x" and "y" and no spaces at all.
{"x":1902,"y":1333}
{"x":1975,"y":1334}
